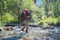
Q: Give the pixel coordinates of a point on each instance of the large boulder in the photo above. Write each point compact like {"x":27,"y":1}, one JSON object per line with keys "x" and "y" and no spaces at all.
{"x":9,"y":28}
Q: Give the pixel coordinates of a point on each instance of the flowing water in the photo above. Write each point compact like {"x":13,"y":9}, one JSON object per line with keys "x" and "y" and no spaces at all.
{"x":37,"y":33}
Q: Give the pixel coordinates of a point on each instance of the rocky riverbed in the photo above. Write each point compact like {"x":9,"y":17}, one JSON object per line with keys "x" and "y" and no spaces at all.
{"x":34,"y":33}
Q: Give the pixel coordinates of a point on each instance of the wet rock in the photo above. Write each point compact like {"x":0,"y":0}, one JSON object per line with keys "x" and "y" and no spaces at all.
{"x":1,"y":35}
{"x":28,"y":37}
{"x":37,"y":39}
{"x":9,"y":28}
{"x":48,"y":38}
{"x":0,"y":29}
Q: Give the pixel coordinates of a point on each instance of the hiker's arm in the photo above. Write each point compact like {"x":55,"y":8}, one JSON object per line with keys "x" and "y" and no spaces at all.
{"x":28,"y":16}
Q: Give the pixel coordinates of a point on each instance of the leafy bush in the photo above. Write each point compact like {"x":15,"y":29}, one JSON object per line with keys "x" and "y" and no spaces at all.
{"x":7,"y":18}
{"x":58,"y":23}
{"x":50,"y":21}
{"x":0,"y":20}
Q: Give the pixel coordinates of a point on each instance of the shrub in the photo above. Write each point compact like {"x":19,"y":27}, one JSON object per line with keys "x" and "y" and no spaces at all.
{"x":7,"y":18}
{"x":50,"y":21}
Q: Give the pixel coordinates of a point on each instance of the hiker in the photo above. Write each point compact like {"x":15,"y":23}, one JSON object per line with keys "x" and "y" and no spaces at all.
{"x":26,"y":16}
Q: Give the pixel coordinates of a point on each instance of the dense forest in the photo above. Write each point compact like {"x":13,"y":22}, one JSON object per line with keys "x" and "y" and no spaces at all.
{"x":48,"y":13}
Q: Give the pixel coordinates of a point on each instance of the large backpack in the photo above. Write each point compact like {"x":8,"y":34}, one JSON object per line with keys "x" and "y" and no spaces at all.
{"x":24,"y":16}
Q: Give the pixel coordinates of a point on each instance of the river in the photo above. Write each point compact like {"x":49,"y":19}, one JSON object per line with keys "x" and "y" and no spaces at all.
{"x":36,"y":33}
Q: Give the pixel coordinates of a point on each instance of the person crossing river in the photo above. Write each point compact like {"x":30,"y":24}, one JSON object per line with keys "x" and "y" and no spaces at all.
{"x":26,"y":16}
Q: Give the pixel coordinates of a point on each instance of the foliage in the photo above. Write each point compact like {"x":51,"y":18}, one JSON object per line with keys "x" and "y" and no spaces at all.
{"x":50,"y":21}
{"x":6,"y":18}
{"x":48,"y":13}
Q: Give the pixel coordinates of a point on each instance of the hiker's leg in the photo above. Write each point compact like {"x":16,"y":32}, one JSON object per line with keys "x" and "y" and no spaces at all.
{"x":26,"y":26}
